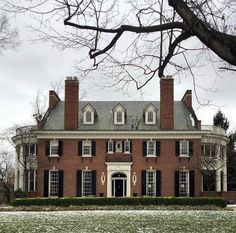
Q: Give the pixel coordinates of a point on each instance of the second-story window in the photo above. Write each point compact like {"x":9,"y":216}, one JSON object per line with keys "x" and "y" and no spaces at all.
{"x":87,"y":148}
{"x":54,"y":147}
{"x":110,"y":146}
{"x":127,"y":146}
{"x":151,"y":148}
{"x":184,"y":148}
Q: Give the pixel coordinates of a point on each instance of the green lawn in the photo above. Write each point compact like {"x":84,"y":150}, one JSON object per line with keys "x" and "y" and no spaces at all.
{"x":119,"y":221}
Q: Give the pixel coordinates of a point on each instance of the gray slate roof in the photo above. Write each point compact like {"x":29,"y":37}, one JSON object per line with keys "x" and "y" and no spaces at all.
{"x":134,"y":116}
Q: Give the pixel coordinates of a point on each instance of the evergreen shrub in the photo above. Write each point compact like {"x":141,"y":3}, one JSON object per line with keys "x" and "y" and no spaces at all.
{"x":124,"y":201}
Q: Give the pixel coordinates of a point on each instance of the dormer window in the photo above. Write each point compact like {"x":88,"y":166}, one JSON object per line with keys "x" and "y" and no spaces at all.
{"x":88,"y":114}
{"x":88,"y":117}
{"x":150,"y":114}
{"x":150,"y":117}
{"x":119,"y":115}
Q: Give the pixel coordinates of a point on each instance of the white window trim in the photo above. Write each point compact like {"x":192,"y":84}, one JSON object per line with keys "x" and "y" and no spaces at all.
{"x":121,"y":147}
{"x":188,"y":188}
{"x":128,"y":151}
{"x":147,"y":122}
{"x":180,"y":149}
{"x":53,"y":155}
{"x":85,"y":119}
{"x":110,"y":151}
{"x":82,"y":188}
{"x":49,"y":182}
{"x":115,"y":118}
{"x":151,"y":155}
{"x":87,"y":155}
{"x":154,"y":182}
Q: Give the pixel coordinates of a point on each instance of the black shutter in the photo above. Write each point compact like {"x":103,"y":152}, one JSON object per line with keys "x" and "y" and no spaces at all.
{"x":36,"y":149}
{"x":158,"y":148}
{"x":191,"y":183}
{"x":47,"y":148}
{"x":80,"y":148}
{"x":177,"y":183}
{"x":130,"y":146}
{"x":190,"y":148}
{"x":60,"y":148}
{"x":94,"y":182}
{"x":144,"y":148}
{"x":46,"y":183}
{"x":61,"y":178}
{"x":143,"y":178}
{"x":106,"y":146}
{"x":93,"y":148}
{"x":114,"y":146}
{"x":123,"y":146}
{"x":177,"y":148}
{"x":79,"y":183}
{"x":158,"y":183}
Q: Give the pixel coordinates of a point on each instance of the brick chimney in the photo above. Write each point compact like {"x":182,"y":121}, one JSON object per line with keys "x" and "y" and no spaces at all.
{"x":71,"y":103}
{"x":167,"y":103}
{"x":53,"y":99}
{"x":187,"y":99}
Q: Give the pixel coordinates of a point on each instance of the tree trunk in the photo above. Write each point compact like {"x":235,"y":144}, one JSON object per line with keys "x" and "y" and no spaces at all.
{"x":220,"y":43}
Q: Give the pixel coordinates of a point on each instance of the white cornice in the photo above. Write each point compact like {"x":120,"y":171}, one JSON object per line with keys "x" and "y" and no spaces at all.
{"x":120,"y":134}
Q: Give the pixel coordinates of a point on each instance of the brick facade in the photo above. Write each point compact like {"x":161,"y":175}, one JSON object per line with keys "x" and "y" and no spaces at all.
{"x":129,"y":155}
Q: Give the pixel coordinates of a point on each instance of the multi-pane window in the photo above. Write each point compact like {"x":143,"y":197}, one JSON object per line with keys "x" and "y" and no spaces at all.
{"x":151,"y":183}
{"x":119,"y":117}
{"x":151,"y":148}
{"x":88,"y":117}
{"x":184,"y":183}
{"x":32,"y":149}
{"x":86,"y":183}
{"x":209,"y":151}
{"x":53,"y":183}
{"x":127,"y":146}
{"x":150,"y":117}
{"x":32,"y":180}
{"x":110,"y":145}
{"x":87,"y":148}
{"x":184,"y":147}
{"x":54,"y":147}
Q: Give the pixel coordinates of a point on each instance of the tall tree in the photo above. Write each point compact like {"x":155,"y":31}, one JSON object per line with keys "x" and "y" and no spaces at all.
{"x":6,"y":170}
{"x":220,"y":120}
{"x":134,"y":41}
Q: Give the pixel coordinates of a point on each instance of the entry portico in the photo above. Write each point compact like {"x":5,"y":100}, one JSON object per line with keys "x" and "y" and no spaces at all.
{"x":118,"y":179}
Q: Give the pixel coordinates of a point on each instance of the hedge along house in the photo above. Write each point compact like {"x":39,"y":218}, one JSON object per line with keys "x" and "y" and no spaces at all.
{"x":123,"y":148}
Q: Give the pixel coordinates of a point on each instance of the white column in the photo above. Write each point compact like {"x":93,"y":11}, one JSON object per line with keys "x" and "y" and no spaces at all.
{"x":225,"y":172}
{"x":218,"y":181}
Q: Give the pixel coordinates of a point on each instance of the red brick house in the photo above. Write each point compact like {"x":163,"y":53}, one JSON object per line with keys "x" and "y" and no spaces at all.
{"x":123,"y":148}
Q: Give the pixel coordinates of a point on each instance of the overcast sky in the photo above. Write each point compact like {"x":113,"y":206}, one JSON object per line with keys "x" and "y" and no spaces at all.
{"x":33,"y":67}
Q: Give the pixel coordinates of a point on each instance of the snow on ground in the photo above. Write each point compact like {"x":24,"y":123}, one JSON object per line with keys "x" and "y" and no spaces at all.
{"x":119,"y":221}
